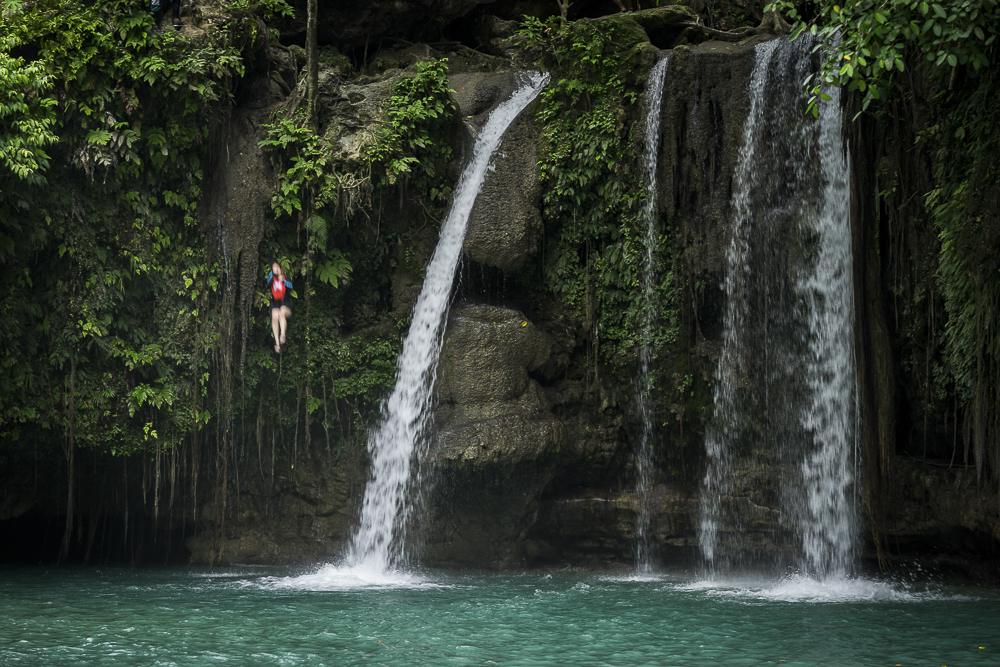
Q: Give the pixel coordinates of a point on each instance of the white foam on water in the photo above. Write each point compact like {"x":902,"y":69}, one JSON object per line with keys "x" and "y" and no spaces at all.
{"x":346,"y":578}
{"x":802,"y":588}
{"x":641,"y":577}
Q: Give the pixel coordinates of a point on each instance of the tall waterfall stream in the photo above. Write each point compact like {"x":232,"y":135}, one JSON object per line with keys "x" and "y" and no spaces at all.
{"x":379,"y":543}
{"x":785,"y":398}
{"x":644,"y":450}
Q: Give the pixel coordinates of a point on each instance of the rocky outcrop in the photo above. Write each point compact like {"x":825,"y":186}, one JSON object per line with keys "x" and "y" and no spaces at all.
{"x":596,"y":529}
{"x":936,"y":502}
{"x":489,"y":410}
{"x":505,"y":224}
{"x":496,"y":441}
{"x":308,"y":520}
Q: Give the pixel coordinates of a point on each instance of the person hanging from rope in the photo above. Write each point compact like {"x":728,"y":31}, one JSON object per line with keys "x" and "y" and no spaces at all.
{"x":281,"y":304}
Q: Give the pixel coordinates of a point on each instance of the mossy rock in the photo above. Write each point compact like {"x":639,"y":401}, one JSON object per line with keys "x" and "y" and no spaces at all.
{"x":659,"y":26}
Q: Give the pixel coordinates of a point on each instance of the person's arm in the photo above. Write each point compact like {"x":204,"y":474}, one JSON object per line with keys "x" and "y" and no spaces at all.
{"x":288,"y":282}
{"x":270,"y":276}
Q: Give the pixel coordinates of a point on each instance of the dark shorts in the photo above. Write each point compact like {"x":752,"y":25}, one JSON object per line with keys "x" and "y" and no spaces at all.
{"x":287,"y":301}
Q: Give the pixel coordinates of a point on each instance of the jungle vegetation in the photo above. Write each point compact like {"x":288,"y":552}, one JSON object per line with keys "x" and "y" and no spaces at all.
{"x":123,"y":346}
{"x":924,"y":73}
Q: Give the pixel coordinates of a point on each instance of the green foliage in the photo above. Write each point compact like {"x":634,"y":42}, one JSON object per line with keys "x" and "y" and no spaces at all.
{"x":964,"y":206}
{"x":27,"y":117}
{"x":308,"y":164}
{"x":266,"y":9}
{"x":867,"y":41}
{"x":308,"y":184}
{"x":873,"y":48}
{"x":412,"y":140}
{"x":107,"y":280}
{"x":334,"y":269}
{"x":592,"y":196}
{"x":363,"y":369}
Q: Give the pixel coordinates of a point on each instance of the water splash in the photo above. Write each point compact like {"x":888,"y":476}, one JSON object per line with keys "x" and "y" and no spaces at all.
{"x":333,"y":578}
{"x":827,"y":521}
{"x":779,"y":486}
{"x":379,"y":543}
{"x":644,"y":451}
{"x":798,"y":588}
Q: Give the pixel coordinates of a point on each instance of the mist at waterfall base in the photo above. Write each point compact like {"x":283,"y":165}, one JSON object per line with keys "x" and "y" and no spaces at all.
{"x":265,"y":617}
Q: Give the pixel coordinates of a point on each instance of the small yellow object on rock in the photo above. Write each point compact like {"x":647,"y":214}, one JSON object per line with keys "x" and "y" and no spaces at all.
{"x":524,"y":324}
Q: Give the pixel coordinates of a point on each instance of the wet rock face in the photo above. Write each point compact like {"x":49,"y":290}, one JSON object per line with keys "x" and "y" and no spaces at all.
{"x":591,"y":527}
{"x":934,"y":499}
{"x":505,"y":224}
{"x":307,"y":520}
{"x":702,"y":134}
{"x":484,"y":366}
{"x":496,"y":439}
{"x":478,"y":93}
{"x":238,"y":191}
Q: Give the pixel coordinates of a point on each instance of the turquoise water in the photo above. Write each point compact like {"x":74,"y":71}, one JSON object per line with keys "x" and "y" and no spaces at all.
{"x":336,"y":617}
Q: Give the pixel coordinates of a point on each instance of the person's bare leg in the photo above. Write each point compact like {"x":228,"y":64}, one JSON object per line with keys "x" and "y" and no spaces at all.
{"x":275,"y":319}
{"x":285,"y":313}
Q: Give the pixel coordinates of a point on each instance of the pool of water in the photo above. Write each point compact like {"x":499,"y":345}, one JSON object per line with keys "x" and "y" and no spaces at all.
{"x":331,"y":616}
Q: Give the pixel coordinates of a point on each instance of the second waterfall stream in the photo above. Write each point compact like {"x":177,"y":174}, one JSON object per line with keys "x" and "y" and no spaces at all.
{"x":644,"y":387}
{"x":378,"y":545}
{"x":780,"y":487}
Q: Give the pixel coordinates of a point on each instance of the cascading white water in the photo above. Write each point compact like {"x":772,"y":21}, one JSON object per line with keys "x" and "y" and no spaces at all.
{"x":828,"y":520}
{"x":782,"y":446}
{"x":717,"y":483}
{"x":644,"y":451}
{"x":378,"y":544}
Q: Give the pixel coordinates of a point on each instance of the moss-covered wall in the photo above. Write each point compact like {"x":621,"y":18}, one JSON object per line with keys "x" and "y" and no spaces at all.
{"x":140,"y":355}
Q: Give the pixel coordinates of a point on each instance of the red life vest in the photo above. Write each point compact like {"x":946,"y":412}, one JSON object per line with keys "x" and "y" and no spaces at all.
{"x":278,"y":288}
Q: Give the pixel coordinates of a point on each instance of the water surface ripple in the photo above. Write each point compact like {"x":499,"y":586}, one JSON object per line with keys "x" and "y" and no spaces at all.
{"x":269,"y":617}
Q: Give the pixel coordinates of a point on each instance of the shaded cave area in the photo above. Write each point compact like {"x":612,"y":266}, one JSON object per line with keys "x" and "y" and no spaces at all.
{"x":34,"y":538}
{"x":364,"y":32}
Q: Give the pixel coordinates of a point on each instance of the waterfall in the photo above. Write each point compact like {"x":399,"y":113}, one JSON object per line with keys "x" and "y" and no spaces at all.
{"x":778,"y":485}
{"x":828,"y":519}
{"x":644,"y":451}
{"x":379,"y":543}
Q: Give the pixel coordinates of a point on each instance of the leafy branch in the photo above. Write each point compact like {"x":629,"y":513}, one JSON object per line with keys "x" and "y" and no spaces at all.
{"x":866,"y":42}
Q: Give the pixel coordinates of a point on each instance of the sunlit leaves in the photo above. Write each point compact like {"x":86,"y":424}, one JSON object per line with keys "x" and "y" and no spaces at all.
{"x":876,"y":34}
{"x":410,"y":137}
{"x":27,"y":116}
{"x":117,"y":278}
